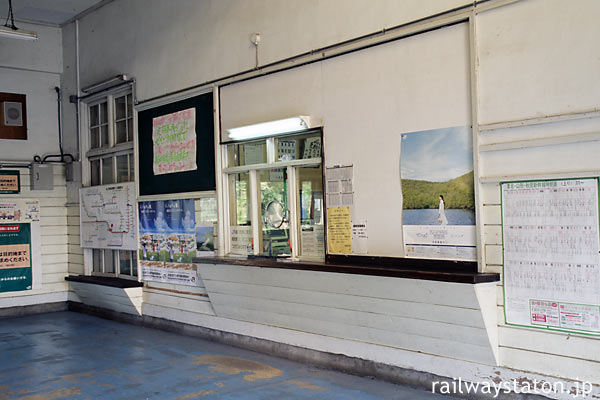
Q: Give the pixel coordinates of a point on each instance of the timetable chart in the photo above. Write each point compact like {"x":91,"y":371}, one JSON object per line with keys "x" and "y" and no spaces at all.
{"x":551,"y":254}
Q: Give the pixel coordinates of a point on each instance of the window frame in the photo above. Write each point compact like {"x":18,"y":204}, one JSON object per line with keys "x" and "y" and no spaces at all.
{"x":292,"y":167}
{"x":110,"y":151}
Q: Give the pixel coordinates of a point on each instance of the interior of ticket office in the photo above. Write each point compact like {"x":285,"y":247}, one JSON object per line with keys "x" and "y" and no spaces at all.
{"x":358,"y":180}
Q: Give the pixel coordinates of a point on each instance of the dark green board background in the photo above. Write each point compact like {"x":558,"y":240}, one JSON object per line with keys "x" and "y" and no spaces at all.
{"x":199,"y":180}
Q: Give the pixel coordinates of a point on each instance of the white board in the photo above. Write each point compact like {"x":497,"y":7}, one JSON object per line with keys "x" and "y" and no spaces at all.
{"x":108,"y":219}
{"x":551,"y":260}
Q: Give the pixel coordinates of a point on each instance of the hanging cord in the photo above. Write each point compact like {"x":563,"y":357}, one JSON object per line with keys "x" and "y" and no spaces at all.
{"x":11,"y":17}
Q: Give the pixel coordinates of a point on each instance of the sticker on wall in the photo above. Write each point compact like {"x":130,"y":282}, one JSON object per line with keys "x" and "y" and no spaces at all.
{"x":438,"y":196}
{"x":174,"y":142}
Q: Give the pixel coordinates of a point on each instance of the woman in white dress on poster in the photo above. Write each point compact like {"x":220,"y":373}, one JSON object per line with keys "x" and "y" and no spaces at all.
{"x":441,"y":214}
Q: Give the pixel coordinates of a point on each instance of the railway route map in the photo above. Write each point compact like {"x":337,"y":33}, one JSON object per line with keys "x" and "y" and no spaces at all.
{"x":108,"y":217}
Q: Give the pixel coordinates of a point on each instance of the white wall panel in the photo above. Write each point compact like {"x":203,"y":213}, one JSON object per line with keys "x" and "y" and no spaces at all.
{"x":537,"y":58}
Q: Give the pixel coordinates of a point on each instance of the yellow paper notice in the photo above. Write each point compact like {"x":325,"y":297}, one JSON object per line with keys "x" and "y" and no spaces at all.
{"x":339,"y":230}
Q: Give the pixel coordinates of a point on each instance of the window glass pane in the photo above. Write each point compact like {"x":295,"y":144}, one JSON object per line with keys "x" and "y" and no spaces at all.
{"x":95,"y":167}
{"x":129,"y":105}
{"x":310,"y":210}
{"x":206,"y":218}
{"x":109,"y":262}
{"x":134,"y":263}
{"x":94,"y":115}
{"x":94,"y":138}
{"x":298,"y":147}
{"x":104,"y":136}
{"x":239,"y":214}
{"x":131,"y":167}
{"x":120,"y":108}
{"x":103,"y":113}
{"x":130,"y":129}
{"x":287,"y":149}
{"x":121,"y":129}
{"x":275,"y":238}
{"x":125,"y":262}
{"x":206,"y":209}
{"x":97,"y":260}
{"x":122,"y":168}
{"x":107,"y":170}
{"x":247,"y":153}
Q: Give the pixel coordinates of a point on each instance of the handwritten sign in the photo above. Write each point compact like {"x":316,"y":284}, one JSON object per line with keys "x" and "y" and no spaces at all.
{"x":174,"y":141}
{"x":339,"y":230}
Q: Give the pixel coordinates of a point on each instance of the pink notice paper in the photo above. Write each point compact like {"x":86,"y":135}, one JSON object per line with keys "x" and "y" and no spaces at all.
{"x":174,"y":142}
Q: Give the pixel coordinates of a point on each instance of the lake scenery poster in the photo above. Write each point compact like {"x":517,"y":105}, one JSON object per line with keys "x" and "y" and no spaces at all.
{"x":438,"y":198}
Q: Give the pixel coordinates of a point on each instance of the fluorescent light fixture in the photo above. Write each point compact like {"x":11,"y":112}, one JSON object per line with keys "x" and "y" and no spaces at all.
{"x":271,"y":128}
{"x":110,"y":82}
{"x":7,"y":31}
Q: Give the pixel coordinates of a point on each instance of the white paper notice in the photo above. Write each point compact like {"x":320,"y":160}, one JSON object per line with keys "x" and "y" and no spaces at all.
{"x":551,"y":261}
{"x":241,"y":240}
{"x":339,"y":184}
{"x":312,"y":241}
{"x":360,"y":239}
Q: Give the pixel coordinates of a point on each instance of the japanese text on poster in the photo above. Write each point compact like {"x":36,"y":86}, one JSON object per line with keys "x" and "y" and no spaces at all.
{"x":167,"y":239}
{"x":108,"y":216}
{"x":339,"y":237}
{"x":438,"y":194}
{"x":339,"y":185}
{"x":19,"y":210}
{"x":174,"y":142}
{"x":15,"y":257}
{"x":551,"y":261}
{"x":10,"y":182}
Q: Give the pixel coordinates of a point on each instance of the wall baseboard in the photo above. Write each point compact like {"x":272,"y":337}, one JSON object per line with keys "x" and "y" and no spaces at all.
{"x":331,"y":361}
{"x":20,"y":311}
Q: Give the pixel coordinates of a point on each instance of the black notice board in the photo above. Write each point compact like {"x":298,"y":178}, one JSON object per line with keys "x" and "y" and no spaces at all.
{"x":199,"y":180}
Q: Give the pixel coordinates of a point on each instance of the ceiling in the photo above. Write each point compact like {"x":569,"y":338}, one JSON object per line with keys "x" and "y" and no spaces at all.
{"x":54,"y":12}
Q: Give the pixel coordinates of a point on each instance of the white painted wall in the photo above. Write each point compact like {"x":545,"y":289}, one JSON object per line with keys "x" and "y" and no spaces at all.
{"x":538,"y":58}
{"x":535,"y":58}
{"x":176,"y":46}
{"x":366,"y":100}
{"x":53,"y":246}
{"x":34,"y":68}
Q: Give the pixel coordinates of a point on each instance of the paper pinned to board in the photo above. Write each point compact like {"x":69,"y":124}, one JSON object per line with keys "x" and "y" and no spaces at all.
{"x":339,"y":230}
{"x":339,"y":184}
{"x":360,"y":238}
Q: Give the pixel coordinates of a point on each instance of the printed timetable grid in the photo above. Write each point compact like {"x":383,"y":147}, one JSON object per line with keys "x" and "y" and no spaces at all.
{"x":551,"y":260}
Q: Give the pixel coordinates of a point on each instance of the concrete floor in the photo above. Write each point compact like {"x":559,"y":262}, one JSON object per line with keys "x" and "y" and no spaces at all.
{"x":68,"y":355}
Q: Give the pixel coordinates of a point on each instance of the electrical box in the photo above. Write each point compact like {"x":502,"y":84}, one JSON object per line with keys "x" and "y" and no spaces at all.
{"x":42,"y":176}
{"x":73,"y":170}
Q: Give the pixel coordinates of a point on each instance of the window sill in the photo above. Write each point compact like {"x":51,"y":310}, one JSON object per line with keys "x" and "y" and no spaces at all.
{"x":105,"y":281}
{"x":353,"y":268}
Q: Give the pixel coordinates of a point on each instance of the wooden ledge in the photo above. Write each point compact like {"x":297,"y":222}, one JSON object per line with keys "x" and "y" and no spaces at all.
{"x":370,"y":270}
{"x":105,"y":281}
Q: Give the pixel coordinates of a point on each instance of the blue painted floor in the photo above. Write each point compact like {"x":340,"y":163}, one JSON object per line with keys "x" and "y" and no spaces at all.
{"x":68,"y":355}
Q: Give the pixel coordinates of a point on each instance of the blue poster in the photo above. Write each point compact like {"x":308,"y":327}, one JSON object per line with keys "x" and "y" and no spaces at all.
{"x":167,"y":231}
